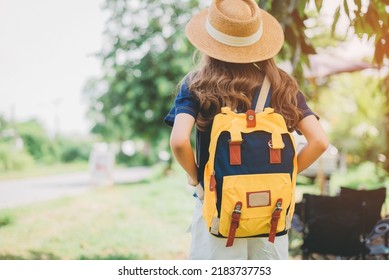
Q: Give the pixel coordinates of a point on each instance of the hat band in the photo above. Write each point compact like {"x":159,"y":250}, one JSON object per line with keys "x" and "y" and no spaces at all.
{"x":233,"y":41}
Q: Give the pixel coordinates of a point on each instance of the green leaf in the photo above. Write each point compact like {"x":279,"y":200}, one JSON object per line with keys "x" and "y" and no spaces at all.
{"x":301,"y":7}
{"x":336,"y":19}
{"x":346,"y":8}
{"x":319,"y":4}
{"x":372,"y":19}
{"x":359,"y":26}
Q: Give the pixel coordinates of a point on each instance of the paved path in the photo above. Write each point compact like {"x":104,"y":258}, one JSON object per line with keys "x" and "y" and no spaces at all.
{"x":20,"y":192}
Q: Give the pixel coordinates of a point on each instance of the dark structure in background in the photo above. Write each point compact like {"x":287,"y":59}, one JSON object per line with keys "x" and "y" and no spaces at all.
{"x":346,"y":226}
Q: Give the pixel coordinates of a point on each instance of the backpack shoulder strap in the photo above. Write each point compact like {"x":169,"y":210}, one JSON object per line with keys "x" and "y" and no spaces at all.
{"x":262,"y":99}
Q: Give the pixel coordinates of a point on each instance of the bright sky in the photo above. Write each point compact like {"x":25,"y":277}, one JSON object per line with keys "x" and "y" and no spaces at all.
{"x":46,"y":55}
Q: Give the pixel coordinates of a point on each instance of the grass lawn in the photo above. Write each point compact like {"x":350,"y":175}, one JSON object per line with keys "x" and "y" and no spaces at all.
{"x":138,"y":221}
{"x":146,"y":220}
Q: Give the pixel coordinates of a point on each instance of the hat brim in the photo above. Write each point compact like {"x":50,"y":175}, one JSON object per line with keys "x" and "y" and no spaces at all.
{"x":267,"y":46}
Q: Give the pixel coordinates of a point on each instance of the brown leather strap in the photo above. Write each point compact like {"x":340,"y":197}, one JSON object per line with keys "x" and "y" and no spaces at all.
{"x":235,"y":217}
{"x":250,"y":118}
{"x":212,"y":185}
{"x":235,"y":153}
{"x":274,"y":220}
{"x":274,"y":154}
{"x":212,"y":182}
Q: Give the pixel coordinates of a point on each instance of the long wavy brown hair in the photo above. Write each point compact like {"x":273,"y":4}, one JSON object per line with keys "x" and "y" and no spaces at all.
{"x":217,"y":83}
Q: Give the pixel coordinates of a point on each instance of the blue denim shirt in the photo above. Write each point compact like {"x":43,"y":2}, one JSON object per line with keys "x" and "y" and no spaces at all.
{"x":186,"y":103}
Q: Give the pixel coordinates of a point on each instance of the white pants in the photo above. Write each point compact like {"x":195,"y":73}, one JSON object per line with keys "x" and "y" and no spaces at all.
{"x":205,"y":246}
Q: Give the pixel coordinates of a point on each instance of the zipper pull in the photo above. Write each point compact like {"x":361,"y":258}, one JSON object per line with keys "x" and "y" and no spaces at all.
{"x":278,"y":205}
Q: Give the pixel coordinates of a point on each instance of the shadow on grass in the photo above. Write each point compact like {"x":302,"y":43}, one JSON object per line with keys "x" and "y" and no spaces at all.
{"x":113,"y":257}
{"x":37,"y":255}
{"x":32,"y":255}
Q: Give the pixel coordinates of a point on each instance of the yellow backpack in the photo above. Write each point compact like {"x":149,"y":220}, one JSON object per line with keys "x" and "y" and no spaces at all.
{"x":250,"y":177}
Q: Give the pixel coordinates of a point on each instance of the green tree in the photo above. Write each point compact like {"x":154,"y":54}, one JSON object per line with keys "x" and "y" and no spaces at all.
{"x":143,"y":62}
{"x":371,"y":20}
{"x":368,"y":19}
{"x":357,"y":119}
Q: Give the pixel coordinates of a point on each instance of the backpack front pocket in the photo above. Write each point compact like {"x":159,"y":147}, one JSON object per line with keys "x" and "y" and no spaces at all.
{"x":258,"y":194}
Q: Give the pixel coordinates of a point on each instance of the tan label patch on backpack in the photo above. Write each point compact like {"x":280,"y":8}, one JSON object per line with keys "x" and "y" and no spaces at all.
{"x":258,"y":199}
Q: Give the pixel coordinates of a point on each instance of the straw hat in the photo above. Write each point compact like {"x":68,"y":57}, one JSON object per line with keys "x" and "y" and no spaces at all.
{"x":235,"y":31}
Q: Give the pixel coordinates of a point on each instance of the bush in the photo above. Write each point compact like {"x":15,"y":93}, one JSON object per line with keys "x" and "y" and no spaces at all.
{"x":34,"y":138}
{"x":367,"y":175}
{"x":72,"y":150}
{"x":11,"y":159}
{"x":5,"y":220}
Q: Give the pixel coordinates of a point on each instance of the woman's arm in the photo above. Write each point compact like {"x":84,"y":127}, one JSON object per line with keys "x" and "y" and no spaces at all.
{"x":181,"y":146}
{"x":317,"y":142}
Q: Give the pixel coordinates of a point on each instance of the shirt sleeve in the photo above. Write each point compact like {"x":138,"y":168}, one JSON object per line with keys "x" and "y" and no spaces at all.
{"x":303,"y":106}
{"x":184,"y":103}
